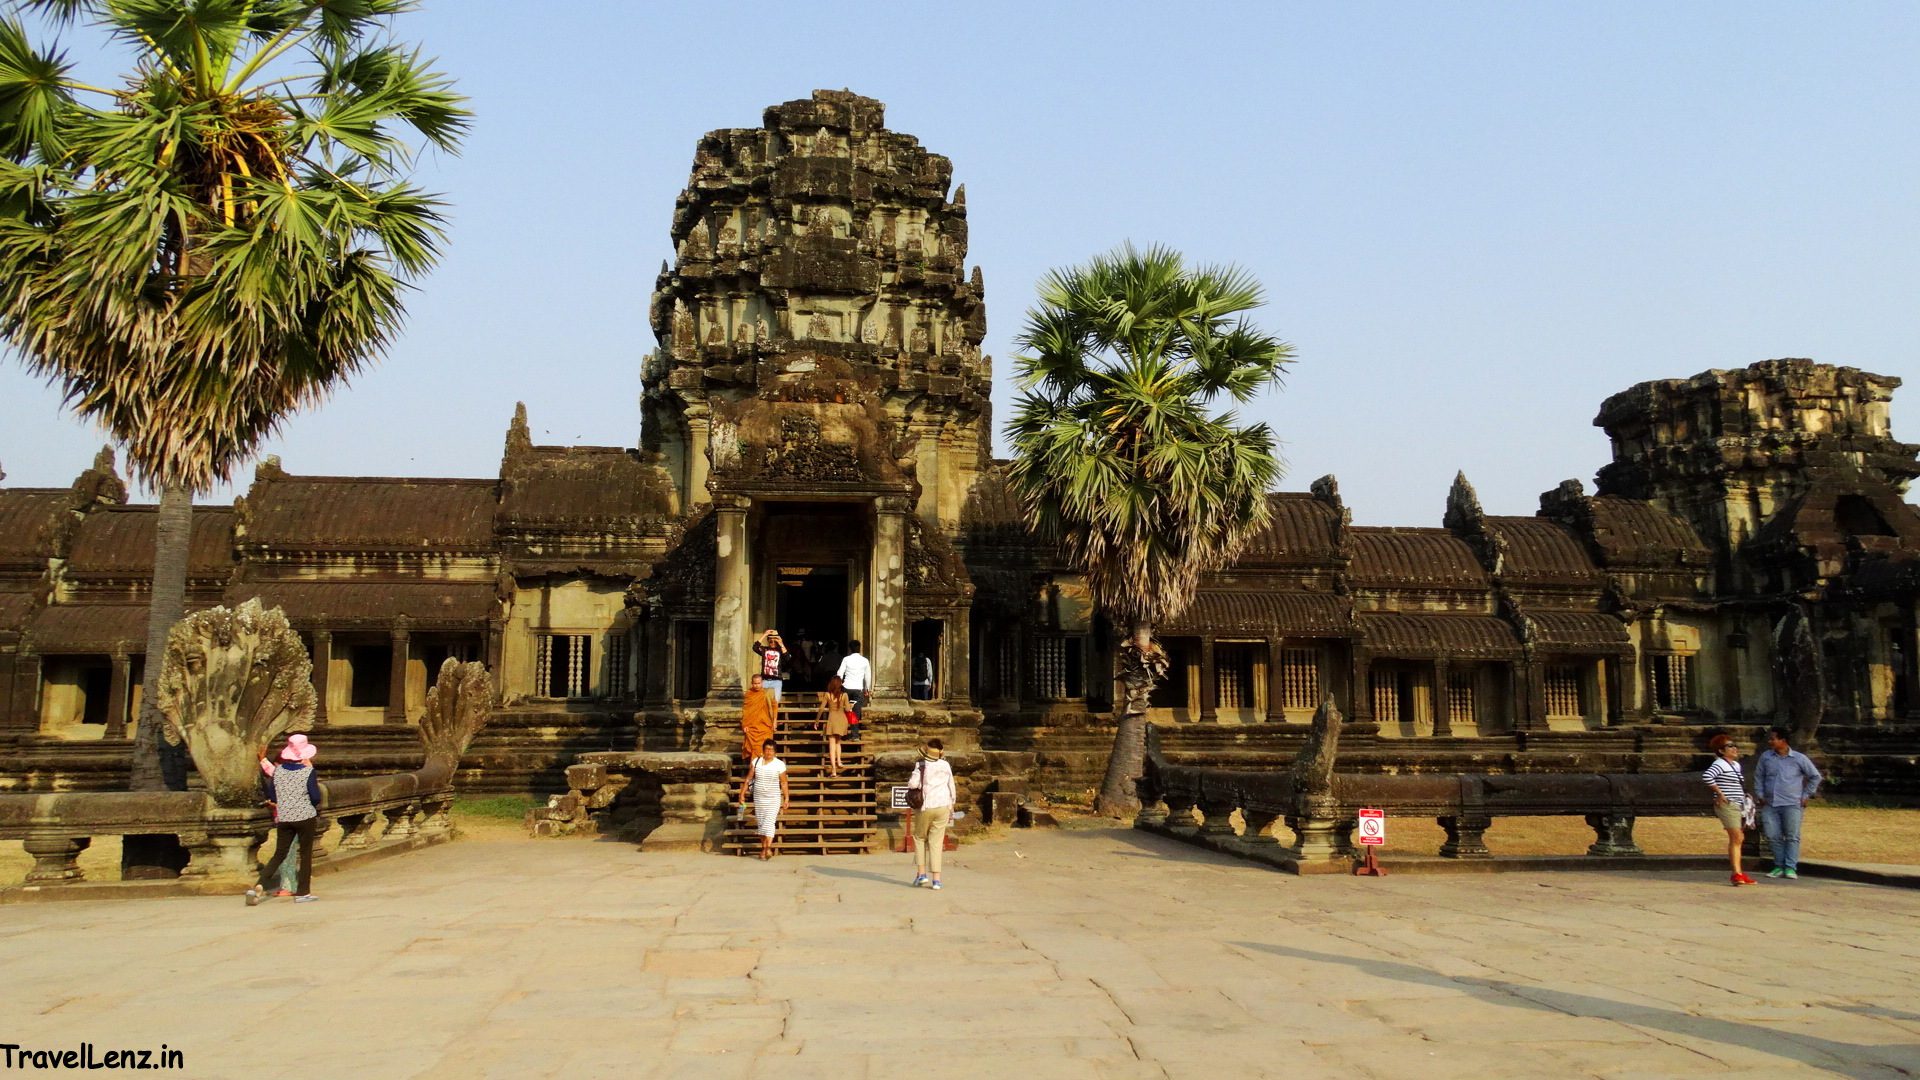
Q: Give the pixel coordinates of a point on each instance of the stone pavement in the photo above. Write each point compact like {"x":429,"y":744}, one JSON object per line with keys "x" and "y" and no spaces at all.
{"x":1053,"y":954}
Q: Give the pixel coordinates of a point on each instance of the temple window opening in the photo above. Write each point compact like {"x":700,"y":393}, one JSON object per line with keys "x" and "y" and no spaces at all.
{"x":1672,"y":675}
{"x":1300,"y":679}
{"x":561,"y":666}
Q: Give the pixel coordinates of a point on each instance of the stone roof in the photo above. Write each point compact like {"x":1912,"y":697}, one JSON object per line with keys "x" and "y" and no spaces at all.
{"x":1301,"y":528}
{"x":1471,"y":637}
{"x":119,"y":541}
{"x":1633,"y":532}
{"x":581,"y":486}
{"x":1414,"y":558}
{"x":1260,"y":611}
{"x":369,"y":513}
{"x":92,"y":628}
{"x":1577,"y":631}
{"x":1538,"y":551}
{"x":15,"y":607}
{"x":466,"y":605}
{"x":25,"y":514}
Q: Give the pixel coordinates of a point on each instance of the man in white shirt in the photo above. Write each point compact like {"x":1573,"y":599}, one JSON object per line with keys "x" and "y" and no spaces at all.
{"x":856,"y":674}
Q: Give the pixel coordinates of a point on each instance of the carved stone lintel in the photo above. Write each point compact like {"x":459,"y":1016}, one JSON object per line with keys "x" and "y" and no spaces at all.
{"x":56,"y":859}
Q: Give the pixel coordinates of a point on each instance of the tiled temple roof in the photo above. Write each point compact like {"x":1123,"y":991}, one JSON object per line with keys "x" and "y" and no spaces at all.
{"x":374,"y":603}
{"x":1578,"y":632}
{"x":1260,"y":612}
{"x":91,"y":628}
{"x":370,"y":513}
{"x":1538,"y":550}
{"x":1302,"y":528}
{"x":1414,"y":558}
{"x":1633,"y":532}
{"x":1471,"y":637}
{"x":581,"y":485}
{"x":25,"y":514}
{"x":15,"y":607}
{"x":119,"y":541}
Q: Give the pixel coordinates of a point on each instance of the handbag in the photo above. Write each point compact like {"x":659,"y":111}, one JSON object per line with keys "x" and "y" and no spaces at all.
{"x":1750,"y":814}
{"x":918,"y":795}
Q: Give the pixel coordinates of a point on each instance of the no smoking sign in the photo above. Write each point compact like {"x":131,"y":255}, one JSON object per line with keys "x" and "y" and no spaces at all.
{"x":1373,"y":827}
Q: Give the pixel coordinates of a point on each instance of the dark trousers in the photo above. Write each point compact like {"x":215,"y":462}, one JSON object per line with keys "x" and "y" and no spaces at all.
{"x":284,"y":832}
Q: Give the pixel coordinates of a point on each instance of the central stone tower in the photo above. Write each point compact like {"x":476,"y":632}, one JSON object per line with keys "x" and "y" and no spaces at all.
{"x":820,"y":385}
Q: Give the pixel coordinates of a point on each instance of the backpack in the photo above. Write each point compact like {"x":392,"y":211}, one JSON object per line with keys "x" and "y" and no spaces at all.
{"x":918,"y":795}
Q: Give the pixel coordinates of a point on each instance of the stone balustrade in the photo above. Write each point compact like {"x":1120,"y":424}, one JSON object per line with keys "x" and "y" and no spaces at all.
{"x":1200,"y":804}
{"x":663,"y":801}
{"x":224,"y":843}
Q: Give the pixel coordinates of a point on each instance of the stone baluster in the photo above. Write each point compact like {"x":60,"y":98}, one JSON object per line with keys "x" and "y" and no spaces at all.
{"x":1216,"y":818}
{"x":56,"y":858}
{"x":400,"y":821}
{"x":1466,"y":836}
{"x":1613,"y":835}
{"x":1180,"y":814}
{"x":1259,"y":827}
{"x":1316,"y":831}
{"x":437,"y":822}
{"x":357,"y":830}
{"x":1152,"y":814}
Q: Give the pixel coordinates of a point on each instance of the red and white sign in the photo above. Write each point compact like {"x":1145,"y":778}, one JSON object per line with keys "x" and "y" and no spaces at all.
{"x":1373,"y":827}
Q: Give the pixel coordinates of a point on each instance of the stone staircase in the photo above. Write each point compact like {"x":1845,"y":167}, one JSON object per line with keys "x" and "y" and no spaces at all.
{"x":825,"y":815}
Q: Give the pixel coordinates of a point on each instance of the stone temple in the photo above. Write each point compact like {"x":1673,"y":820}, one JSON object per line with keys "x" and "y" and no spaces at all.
{"x":815,"y":454}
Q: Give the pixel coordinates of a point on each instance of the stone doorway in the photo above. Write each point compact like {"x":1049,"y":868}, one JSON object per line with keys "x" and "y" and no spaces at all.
{"x":811,"y":605}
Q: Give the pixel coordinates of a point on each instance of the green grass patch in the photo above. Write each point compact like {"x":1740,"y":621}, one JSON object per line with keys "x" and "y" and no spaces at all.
{"x":497,"y":807}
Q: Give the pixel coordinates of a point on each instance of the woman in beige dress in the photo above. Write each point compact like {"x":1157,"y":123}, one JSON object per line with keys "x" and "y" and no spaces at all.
{"x":833,"y":717}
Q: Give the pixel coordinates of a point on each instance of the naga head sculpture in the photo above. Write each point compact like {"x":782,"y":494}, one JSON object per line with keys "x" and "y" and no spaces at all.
{"x":231,"y":681}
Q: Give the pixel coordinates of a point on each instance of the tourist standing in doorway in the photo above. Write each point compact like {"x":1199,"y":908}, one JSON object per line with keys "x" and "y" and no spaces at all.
{"x":1730,"y":803}
{"x":773,"y":663}
{"x":294,"y":793}
{"x":1783,"y":780}
{"x":766,"y":784}
{"x":833,"y":719}
{"x":856,"y":675}
{"x":757,"y":715}
{"x":923,"y":678}
{"x":933,"y":778}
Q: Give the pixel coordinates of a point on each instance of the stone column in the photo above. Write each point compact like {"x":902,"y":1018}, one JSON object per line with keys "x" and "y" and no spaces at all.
{"x":1442,"y":706}
{"x":1360,"y":691}
{"x":1533,"y":683}
{"x":887,"y":594}
{"x":729,"y":635}
{"x":26,"y":689}
{"x":1209,"y":683}
{"x":322,"y":674}
{"x":402,"y":639}
{"x":1276,"y":681}
{"x":699,"y":436}
{"x":1616,"y":691}
{"x":1625,"y":669}
{"x":956,"y":651}
{"x":496,"y":655}
{"x":117,"y":692}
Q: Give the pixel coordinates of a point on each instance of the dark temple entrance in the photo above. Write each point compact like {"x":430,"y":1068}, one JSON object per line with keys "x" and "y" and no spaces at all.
{"x":811,"y":611}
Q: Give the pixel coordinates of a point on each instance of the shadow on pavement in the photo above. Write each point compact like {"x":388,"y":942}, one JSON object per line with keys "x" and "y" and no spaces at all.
{"x":886,"y":879}
{"x":1865,"y":1062}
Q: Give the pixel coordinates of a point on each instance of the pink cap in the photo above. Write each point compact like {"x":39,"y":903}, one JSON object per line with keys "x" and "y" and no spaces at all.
{"x":298,"y":749}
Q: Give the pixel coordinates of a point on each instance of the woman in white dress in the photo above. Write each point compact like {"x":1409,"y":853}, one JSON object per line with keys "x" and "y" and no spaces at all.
{"x":766,"y":784}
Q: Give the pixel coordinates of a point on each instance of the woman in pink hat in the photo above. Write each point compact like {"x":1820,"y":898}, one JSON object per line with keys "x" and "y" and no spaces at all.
{"x":294,"y":793}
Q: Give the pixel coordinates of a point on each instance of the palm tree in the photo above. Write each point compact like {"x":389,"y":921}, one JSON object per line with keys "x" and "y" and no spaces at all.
{"x":1119,"y":459}
{"x":217,"y":242}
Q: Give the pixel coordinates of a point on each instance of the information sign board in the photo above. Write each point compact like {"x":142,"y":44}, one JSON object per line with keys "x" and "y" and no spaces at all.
{"x":1373,"y":827}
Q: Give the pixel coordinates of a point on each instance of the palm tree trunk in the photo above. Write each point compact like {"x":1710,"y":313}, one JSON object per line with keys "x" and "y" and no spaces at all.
{"x":1142,"y":664}
{"x":156,"y":766}
{"x":167,"y":605}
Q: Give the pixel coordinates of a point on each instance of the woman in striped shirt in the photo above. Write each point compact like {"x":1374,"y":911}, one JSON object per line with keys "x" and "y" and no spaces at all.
{"x":1729,"y":799}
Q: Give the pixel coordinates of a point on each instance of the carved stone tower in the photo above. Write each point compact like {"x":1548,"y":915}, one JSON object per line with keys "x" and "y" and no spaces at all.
{"x":819,"y":382}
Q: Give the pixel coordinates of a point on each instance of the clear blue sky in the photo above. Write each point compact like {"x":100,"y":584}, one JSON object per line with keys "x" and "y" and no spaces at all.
{"x":1474,"y":221}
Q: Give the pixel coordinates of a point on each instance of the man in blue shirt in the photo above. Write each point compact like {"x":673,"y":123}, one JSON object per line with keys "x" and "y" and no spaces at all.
{"x":1783,"y":780}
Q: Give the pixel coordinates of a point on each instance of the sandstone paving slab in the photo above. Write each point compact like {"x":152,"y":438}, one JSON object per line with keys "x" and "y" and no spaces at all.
{"x":1101,"y":954}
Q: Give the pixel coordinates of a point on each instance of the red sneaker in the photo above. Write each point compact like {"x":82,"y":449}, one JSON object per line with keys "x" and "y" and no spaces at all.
{"x":1742,"y":879}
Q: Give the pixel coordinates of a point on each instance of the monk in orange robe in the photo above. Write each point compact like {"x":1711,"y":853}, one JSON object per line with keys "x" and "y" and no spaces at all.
{"x":756,"y":722}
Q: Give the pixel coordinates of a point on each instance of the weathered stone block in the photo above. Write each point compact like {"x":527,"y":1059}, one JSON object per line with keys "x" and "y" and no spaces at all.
{"x":1036,"y":817}
{"x":1003,"y":808}
{"x":586,"y":778}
